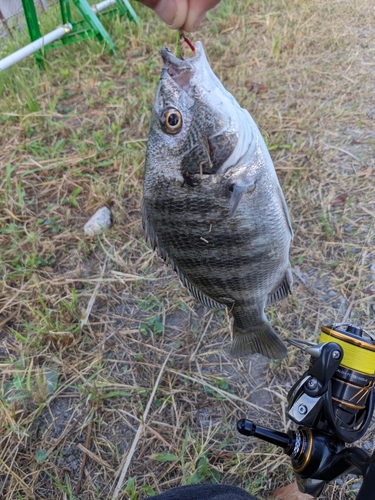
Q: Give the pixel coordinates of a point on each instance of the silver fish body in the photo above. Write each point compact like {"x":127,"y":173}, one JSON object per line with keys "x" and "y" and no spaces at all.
{"x":212,"y":203}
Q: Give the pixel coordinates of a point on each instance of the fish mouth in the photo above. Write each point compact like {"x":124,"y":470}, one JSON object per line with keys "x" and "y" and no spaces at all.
{"x":181,"y":70}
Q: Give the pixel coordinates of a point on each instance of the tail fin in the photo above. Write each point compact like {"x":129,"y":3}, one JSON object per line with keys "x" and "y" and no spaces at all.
{"x":258,"y":339}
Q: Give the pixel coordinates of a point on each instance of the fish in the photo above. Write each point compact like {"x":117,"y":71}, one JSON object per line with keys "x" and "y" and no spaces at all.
{"x":212,"y":203}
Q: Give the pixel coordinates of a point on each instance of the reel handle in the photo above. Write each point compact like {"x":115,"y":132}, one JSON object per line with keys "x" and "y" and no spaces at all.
{"x":248,"y":428}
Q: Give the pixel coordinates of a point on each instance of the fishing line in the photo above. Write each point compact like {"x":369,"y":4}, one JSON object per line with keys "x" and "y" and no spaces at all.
{"x":358,"y":355}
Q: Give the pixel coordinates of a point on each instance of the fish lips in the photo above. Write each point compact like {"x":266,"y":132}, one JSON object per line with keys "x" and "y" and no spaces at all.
{"x":188,"y":73}
{"x":180,"y":74}
{"x":179,"y":70}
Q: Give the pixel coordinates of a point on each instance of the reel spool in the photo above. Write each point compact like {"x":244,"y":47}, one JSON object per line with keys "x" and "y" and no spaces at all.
{"x":349,"y":402}
{"x":359,"y":352}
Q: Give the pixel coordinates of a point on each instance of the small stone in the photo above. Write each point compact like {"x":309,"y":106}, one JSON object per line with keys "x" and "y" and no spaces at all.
{"x":99,"y":221}
{"x":349,"y":477}
{"x":356,"y":486}
{"x":368,"y":445}
{"x":372,"y":267}
{"x":75,"y":464}
{"x":332,"y":293}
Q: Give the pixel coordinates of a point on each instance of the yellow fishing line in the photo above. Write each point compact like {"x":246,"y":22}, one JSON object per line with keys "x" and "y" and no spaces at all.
{"x":360,"y":357}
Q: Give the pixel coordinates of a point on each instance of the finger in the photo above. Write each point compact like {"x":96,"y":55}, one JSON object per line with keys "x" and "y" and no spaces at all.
{"x":172,"y":12}
{"x":197,"y":11}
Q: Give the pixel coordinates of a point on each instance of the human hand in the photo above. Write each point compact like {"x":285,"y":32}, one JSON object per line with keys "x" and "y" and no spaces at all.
{"x":184,"y":14}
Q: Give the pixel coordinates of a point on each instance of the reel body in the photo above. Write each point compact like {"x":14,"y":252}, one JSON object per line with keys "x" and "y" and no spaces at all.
{"x":332,"y":404}
{"x":336,"y":393}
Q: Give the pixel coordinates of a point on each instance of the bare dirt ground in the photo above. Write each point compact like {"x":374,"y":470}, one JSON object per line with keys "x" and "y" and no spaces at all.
{"x":115,"y":382}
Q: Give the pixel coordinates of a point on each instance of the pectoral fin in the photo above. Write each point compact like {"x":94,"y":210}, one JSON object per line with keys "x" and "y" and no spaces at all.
{"x":238,"y":189}
{"x":240,"y":179}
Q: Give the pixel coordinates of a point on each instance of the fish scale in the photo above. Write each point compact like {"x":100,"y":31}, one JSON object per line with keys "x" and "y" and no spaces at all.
{"x":212,"y":204}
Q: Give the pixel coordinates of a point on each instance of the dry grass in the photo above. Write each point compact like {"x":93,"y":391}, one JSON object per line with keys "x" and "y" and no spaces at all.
{"x":89,"y":408}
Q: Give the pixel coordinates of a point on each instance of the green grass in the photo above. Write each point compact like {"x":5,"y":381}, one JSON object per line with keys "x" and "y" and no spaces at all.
{"x":73,"y":139}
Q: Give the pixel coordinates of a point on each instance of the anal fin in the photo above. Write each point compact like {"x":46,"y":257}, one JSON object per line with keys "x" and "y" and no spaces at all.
{"x":282,"y":290}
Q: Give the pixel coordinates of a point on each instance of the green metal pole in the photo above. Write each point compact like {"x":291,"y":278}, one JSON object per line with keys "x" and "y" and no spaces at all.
{"x":89,"y":16}
{"x":129,"y":11}
{"x":65,"y":11}
{"x":33,"y":27}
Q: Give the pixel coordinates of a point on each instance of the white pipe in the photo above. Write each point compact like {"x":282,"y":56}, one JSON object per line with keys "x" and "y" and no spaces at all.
{"x":102,"y":5}
{"x":34,"y":46}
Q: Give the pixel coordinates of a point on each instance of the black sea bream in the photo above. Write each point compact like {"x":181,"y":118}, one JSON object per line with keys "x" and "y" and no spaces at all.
{"x":212,"y":203}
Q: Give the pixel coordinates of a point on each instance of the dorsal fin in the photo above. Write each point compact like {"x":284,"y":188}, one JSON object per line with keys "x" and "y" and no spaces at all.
{"x":203,"y":299}
{"x":150,"y":235}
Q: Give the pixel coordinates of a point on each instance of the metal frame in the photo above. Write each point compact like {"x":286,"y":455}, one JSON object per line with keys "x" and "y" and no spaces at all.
{"x":88,"y":26}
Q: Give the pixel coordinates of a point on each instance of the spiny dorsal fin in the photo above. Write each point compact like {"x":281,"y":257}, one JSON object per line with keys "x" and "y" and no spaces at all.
{"x":150,"y":235}
{"x":203,"y":299}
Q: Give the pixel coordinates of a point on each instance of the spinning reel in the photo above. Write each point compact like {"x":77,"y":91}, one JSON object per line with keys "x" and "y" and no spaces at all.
{"x":332,"y":404}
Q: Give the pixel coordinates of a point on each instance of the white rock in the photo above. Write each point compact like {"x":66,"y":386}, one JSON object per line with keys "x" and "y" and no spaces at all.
{"x":100,"y":220}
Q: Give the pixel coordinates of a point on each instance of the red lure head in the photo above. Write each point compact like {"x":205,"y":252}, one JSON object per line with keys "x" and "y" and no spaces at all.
{"x":186,"y":40}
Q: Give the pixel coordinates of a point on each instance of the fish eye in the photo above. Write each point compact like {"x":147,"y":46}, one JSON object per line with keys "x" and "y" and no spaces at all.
{"x":172,"y":120}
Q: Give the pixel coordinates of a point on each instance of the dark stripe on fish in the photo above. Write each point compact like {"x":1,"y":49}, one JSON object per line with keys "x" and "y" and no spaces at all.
{"x":206,"y":243}
{"x":167,"y":207}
